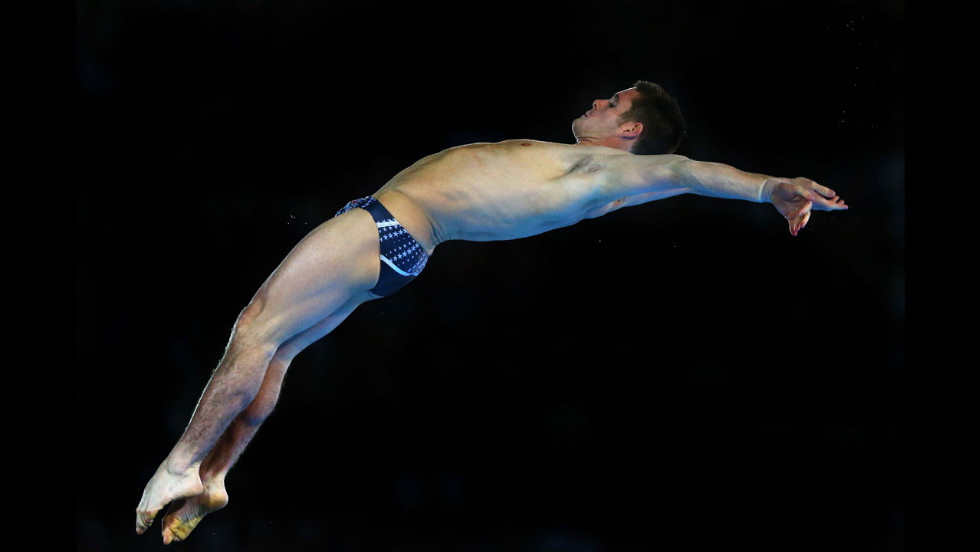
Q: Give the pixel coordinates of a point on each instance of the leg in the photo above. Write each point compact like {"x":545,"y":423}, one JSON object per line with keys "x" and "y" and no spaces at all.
{"x":183,"y":515}
{"x":334,"y":264}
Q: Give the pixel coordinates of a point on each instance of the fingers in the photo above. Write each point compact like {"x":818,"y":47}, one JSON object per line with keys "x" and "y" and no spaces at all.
{"x":835,"y":204}
{"x":811,"y":185}
{"x":832,"y":203}
{"x":807,"y":195}
{"x":798,"y":220}
{"x":822,"y":190}
{"x":825,"y":198}
{"x":797,"y":224}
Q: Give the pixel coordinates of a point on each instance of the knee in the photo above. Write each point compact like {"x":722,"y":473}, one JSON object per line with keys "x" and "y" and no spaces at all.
{"x":250,"y":314}
{"x":250,"y":330}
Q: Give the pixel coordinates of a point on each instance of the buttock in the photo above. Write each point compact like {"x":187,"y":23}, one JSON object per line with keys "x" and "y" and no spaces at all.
{"x":402,"y":257}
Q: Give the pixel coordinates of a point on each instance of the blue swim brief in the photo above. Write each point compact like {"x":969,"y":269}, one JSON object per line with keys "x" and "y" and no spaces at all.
{"x":402,"y":258}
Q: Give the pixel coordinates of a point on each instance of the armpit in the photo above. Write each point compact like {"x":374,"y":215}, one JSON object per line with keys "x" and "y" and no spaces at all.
{"x":586,"y":164}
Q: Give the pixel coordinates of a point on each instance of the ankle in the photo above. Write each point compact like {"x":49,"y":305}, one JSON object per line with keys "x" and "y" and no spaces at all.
{"x":213,"y":478}
{"x":178,"y":467}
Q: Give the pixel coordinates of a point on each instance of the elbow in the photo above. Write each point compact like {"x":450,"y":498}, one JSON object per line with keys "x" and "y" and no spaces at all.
{"x":680,"y":174}
{"x":680,"y":164}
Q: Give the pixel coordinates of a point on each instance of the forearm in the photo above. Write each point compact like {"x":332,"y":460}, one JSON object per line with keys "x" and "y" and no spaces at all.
{"x":723,"y":181}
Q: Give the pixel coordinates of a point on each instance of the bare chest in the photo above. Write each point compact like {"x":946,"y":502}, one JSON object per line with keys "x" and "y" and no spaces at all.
{"x":513,"y":189}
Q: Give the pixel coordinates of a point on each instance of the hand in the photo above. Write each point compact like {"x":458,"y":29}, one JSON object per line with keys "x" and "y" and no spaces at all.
{"x":794,"y":198}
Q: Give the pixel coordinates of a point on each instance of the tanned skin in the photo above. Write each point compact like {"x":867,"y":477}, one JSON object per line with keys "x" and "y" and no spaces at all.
{"x":479,"y":192}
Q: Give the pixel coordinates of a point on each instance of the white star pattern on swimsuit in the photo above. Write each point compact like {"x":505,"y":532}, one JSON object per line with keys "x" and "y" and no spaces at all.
{"x":398,"y":248}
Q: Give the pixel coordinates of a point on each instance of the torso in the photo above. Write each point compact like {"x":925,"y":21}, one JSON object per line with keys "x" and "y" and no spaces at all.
{"x":496,"y":191}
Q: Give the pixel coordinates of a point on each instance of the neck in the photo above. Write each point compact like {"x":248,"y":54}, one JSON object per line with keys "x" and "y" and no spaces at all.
{"x":609,"y":142}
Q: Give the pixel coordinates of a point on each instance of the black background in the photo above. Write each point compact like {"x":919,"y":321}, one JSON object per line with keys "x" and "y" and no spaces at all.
{"x":682,"y":375}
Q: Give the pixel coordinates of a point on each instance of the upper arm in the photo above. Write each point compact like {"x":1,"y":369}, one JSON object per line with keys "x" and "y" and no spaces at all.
{"x":628,"y":179}
{"x":630,"y":175}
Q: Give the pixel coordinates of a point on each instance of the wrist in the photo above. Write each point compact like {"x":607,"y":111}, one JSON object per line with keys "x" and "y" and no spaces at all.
{"x":765,"y":190}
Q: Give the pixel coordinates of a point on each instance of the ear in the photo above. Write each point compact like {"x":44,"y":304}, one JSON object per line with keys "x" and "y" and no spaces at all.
{"x":630,"y":130}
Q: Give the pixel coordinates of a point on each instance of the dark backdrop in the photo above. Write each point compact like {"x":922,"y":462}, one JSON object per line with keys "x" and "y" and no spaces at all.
{"x":682,"y":375}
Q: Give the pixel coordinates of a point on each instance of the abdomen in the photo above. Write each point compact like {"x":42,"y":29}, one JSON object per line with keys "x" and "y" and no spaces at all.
{"x":502,"y":192}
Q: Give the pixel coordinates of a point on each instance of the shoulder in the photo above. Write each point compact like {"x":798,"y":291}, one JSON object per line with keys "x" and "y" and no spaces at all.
{"x":571,"y":149}
{"x":572,"y":157}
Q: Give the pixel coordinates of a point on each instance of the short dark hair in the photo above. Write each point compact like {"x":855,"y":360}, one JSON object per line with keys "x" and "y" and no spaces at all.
{"x":663,"y":124}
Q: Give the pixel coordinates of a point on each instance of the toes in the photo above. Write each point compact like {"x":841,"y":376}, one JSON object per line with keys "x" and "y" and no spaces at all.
{"x":180,"y":523}
{"x":144,"y":520}
{"x":172,"y":529}
{"x":183,"y":515}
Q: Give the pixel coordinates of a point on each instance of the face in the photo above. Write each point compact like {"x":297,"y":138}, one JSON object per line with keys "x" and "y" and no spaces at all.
{"x":603,"y":119}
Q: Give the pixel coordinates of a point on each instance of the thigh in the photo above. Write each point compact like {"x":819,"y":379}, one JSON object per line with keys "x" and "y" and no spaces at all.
{"x":330,"y":268}
{"x":296,"y":344}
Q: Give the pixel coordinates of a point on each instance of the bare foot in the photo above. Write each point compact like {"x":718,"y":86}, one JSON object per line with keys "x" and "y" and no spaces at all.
{"x":184,"y":515}
{"x":164,"y":487}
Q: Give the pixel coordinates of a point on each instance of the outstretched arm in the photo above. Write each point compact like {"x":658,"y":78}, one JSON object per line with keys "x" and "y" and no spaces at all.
{"x":641,"y":178}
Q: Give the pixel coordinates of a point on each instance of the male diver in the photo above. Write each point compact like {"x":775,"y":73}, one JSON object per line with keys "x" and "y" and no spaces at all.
{"x":623,"y":156}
